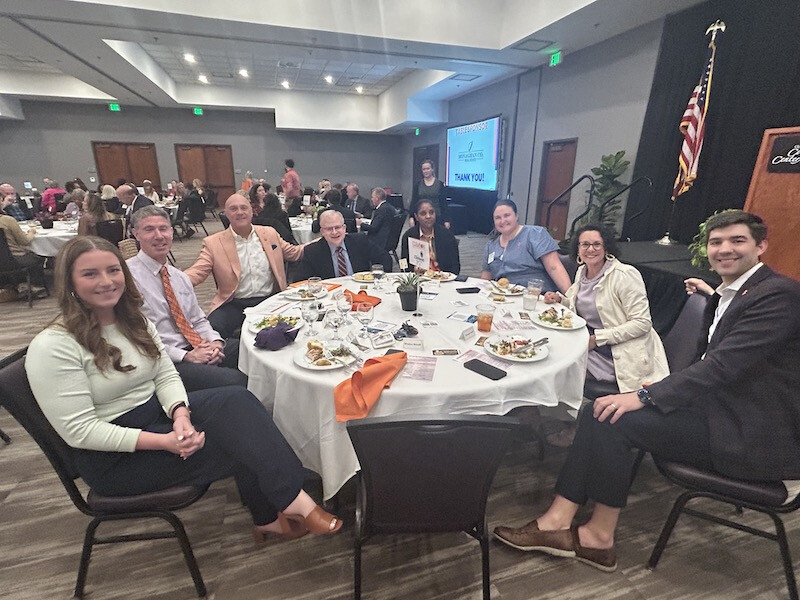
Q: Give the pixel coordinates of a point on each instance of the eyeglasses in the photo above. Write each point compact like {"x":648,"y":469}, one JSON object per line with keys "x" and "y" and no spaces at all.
{"x":332,"y":229}
{"x":592,"y":245}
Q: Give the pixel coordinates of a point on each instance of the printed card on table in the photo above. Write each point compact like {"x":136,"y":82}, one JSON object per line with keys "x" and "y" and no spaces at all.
{"x":419,"y":253}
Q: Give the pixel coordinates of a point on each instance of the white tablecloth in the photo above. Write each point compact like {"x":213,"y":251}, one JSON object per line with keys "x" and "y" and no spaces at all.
{"x":301,"y":228}
{"x":302,"y":400}
{"x":47,"y":242}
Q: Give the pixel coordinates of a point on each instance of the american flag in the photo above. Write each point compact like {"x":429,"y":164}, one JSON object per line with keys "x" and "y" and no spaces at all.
{"x":693,"y":128}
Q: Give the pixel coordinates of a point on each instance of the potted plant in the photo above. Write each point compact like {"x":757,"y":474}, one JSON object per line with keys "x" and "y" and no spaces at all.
{"x":407,"y":289}
{"x":45,"y":219}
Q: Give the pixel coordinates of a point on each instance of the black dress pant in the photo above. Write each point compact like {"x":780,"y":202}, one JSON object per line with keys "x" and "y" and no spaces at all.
{"x":227,"y":318}
{"x":241,"y":440}
{"x":600,"y":462}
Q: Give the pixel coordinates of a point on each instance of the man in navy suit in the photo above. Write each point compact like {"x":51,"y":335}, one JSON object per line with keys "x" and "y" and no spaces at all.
{"x":381,"y":225}
{"x":358,"y":203}
{"x":337,"y":253}
{"x":735,"y":410}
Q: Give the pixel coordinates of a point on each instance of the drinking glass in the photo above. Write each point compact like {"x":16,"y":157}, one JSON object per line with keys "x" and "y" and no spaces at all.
{"x":485,"y":317}
{"x":377,"y":276}
{"x":310,"y":313}
{"x":334,"y":319}
{"x":343,"y":304}
{"x":532,"y":293}
{"x":364,"y":314}
{"x":315,"y":285}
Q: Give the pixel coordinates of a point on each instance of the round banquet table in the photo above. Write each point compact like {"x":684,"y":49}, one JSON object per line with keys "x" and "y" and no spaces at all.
{"x":47,"y":242}
{"x":301,"y":229}
{"x":302,"y":400}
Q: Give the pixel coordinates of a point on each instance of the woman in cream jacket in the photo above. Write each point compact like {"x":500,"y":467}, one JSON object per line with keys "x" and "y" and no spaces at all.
{"x":623,"y":347}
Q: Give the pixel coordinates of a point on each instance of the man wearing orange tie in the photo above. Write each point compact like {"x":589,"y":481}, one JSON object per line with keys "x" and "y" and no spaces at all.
{"x":202,"y":358}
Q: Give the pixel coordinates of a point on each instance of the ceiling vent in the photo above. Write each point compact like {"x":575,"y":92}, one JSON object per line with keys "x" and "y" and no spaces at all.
{"x":464,"y":77}
{"x":532,"y":45}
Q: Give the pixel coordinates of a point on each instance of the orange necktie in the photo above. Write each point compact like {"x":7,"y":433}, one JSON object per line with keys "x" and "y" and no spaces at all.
{"x":177,"y":314}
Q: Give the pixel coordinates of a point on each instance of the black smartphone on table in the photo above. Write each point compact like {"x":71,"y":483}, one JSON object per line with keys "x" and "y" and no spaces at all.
{"x":468,"y":290}
{"x":485,"y":369}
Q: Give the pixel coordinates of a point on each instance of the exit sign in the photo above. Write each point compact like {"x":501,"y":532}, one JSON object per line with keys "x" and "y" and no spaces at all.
{"x":114,"y":107}
{"x":198,"y":111}
{"x":555,"y":59}
{"x":416,"y":131}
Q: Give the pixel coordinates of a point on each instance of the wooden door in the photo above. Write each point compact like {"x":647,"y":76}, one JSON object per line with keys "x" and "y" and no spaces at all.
{"x":219,"y":171}
{"x":111,"y":161}
{"x":143,"y":164}
{"x":558,"y":168}
{"x":191,"y":162}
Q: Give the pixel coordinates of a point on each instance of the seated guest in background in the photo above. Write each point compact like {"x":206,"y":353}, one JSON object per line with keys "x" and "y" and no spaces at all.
{"x":324,"y":188}
{"x":430,"y":188}
{"x":358,"y":203}
{"x":272,"y":215}
{"x":18,"y":209}
{"x":203,"y":359}
{"x":339,"y":253}
{"x":150,"y":192}
{"x":442,"y":244}
{"x":335,"y":203}
{"x":294,"y":206}
{"x":625,"y":352}
{"x":522,"y":252}
{"x":257,"y":193}
{"x":383,"y":215}
{"x":49,"y":196}
{"x":735,"y":410}
{"x":119,"y":400}
{"x":290,"y":182}
{"x":247,"y":263}
{"x":109,"y":196}
{"x":19,"y":242}
{"x":130,"y":197}
{"x":94,"y":211}
{"x":75,"y":203}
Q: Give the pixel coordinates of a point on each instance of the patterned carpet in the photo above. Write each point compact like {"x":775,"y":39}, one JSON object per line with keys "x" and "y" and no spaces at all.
{"x":41,"y":533}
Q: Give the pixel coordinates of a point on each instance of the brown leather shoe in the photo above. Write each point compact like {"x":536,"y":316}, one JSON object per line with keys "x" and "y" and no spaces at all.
{"x":604,"y":559}
{"x":529,"y":537}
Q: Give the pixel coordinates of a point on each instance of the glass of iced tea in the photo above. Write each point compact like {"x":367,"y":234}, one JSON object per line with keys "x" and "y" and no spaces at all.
{"x":485,"y":316}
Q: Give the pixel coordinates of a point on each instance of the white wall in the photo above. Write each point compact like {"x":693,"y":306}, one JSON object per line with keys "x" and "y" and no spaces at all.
{"x":55,"y":140}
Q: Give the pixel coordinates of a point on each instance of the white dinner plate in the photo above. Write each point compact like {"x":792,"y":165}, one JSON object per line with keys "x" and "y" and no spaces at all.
{"x":541,"y":351}
{"x":301,"y":360}
{"x":363,"y":277}
{"x":254,"y":323}
{"x":445,"y":276}
{"x":512,"y":289}
{"x":577,"y":321}
{"x":294,"y":294}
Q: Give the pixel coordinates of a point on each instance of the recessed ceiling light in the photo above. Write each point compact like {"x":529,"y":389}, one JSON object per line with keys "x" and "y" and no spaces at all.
{"x":359,"y":89}
{"x":202,"y":78}
{"x":189,"y":58}
{"x":244,"y":73}
{"x":329,"y":78}
{"x":285,"y":84}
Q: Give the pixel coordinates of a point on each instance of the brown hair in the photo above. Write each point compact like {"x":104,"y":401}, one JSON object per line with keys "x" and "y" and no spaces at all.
{"x":95,"y":207}
{"x":81,"y":321}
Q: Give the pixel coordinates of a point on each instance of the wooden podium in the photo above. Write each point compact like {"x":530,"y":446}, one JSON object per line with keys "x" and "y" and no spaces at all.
{"x":774,"y":195}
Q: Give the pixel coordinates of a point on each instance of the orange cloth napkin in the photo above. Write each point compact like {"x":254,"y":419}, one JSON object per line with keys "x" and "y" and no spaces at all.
{"x":361,"y":298}
{"x":328,"y":286}
{"x":355,"y":397}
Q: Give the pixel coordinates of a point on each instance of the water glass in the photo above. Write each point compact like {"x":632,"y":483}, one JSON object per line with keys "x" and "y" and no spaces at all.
{"x":343,"y":304}
{"x":532,"y":293}
{"x":315,"y":285}
{"x":310,"y":313}
{"x":364,"y":314}
{"x":334,"y":320}
{"x":377,"y":276}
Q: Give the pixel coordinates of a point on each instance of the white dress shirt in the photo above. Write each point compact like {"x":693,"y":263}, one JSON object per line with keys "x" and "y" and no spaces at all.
{"x":727,"y":294}
{"x":256,"y":277}
{"x":147,"y":274}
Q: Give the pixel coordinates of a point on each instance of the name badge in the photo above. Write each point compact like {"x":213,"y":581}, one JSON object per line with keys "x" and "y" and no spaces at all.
{"x":491,"y":258}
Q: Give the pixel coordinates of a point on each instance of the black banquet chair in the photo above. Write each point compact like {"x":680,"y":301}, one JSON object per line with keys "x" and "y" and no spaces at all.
{"x":112,"y":230}
{"x":460,"y":455}
{"x":13,"y":272}
{"x":394,"y":234}
{"x":17,"y":398}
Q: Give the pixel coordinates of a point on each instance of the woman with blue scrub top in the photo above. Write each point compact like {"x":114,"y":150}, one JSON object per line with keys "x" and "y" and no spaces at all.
{"x":522,"y":253}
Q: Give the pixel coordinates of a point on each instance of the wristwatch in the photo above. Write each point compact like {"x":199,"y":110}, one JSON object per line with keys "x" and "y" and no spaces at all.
{"x":644,"y":396}
{"x":176,"y":407}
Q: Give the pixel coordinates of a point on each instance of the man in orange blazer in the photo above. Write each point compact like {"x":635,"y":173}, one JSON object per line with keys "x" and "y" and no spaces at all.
{"x":247,"y":263}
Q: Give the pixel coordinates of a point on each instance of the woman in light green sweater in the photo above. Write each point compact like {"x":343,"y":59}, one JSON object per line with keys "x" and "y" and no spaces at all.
{"x":104,"y":382}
